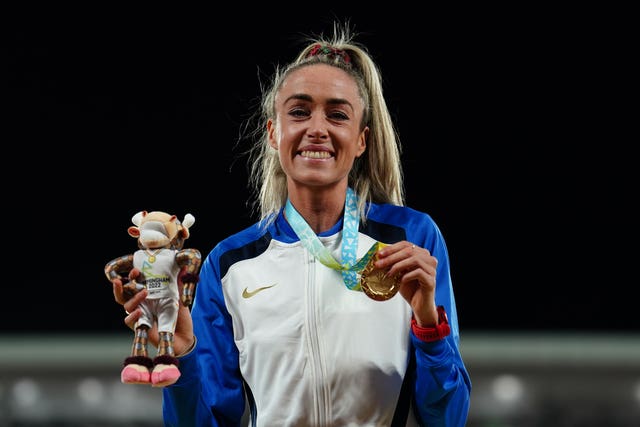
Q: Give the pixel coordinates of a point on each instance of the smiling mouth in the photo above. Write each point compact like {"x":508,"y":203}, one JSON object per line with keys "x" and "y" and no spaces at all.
{"x":316,"y":154}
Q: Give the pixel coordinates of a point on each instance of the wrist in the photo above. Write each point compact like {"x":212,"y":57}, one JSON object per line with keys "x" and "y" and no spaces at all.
{"x":189,"y":349}
{"x":435,"y":333}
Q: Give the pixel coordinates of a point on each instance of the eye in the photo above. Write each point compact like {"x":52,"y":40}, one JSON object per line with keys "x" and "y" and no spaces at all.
{"x":298,"y":112}
{"x":338,"y":115}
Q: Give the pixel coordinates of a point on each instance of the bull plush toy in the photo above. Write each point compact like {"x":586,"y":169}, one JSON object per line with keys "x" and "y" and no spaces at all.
{"x":157,"y":265}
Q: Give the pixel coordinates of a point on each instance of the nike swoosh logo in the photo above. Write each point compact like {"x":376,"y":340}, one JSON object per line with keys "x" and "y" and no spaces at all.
{"x":249,"y":294}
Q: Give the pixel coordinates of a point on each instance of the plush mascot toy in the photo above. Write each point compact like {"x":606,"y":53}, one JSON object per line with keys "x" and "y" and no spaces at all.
{"x":156,"y":266}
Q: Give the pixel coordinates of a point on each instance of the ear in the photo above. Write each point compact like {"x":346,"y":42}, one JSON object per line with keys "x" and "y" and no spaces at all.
{"x":362,"y":141}
{"x":271,"y":131}
{"x":133,"y":231}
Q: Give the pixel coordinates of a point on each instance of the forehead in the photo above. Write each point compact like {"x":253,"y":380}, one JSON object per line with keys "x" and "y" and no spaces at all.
{"x":320,"y":81}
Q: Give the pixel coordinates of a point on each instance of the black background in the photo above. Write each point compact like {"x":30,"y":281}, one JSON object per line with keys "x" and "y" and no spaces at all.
{"x":500,"y":117}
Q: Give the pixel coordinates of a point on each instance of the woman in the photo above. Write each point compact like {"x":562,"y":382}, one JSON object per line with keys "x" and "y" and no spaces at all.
{"x":336,"y":308}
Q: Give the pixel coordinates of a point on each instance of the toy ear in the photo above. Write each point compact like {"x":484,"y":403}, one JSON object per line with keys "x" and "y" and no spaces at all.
{"x":187,"y":222}
{"x":133,"y":232}
{"x":137,"y":218}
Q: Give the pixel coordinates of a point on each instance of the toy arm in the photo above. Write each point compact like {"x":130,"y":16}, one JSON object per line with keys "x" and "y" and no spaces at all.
{"x":189,"y":261}
{"x":118,"y":268}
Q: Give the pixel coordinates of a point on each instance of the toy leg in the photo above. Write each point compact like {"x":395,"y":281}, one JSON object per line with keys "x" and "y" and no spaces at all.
{"x":165,"y":370}
{"x":137,"y":367}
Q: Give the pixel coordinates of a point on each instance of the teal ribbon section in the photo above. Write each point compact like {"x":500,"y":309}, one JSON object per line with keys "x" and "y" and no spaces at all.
{"x":349,"y":246}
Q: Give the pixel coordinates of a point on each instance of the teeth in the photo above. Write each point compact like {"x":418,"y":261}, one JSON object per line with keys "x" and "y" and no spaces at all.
{"x":316,"y":154}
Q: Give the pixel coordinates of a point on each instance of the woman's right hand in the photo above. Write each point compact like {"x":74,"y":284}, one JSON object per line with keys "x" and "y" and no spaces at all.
{"x":183,"y":334}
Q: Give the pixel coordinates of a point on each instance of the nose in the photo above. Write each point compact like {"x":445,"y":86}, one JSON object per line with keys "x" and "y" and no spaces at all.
{"x":317,"y":127}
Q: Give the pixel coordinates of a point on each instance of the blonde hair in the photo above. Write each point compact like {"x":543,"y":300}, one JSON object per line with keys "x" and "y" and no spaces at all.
{"x":377,"y":175}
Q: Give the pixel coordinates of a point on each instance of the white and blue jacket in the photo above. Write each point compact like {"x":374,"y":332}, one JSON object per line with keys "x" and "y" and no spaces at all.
{"x":279,"y":333}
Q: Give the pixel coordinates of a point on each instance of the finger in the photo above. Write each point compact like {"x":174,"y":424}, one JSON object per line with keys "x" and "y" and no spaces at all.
{"x":419,"y":276}
{"x":132,"y":318}
{"x":398,"y":250}
{"x":420,"y":266}
{"x":400,"y":256}
{"x":118,"y":291}
{"x":132,"y":303}
{"x":134,"y":273}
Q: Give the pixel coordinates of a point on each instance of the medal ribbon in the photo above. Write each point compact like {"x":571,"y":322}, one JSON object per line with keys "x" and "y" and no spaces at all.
{"x":349,"y":245}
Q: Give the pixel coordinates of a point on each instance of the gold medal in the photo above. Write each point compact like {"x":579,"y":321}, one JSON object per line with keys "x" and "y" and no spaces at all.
{"x":376,"y":283}
{"x":152,"y":256}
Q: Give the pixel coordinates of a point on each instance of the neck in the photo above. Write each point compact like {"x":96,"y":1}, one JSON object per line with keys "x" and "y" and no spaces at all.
{"x":320,"y":207}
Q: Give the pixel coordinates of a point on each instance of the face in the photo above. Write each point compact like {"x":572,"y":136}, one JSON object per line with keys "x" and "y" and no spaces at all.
{"x":317,"y":126}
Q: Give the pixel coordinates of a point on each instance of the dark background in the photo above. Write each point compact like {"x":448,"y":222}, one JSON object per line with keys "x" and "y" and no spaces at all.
{"x":501,"y":117}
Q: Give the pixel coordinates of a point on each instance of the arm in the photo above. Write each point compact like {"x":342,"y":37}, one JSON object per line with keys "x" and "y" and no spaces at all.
{"x":442,"y":384}
{"x":210,"y":390}
{"x":442,"y":387}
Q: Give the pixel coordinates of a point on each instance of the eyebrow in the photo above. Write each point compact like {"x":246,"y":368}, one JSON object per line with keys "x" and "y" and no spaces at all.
{"x":332,"y":101}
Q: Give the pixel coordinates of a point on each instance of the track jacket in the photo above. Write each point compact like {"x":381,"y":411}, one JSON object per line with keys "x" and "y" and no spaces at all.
{"x":279,"y":333}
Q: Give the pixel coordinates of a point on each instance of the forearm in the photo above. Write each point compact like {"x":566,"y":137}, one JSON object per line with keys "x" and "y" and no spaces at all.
{"x":442,"y":386}
{"x":184,"y":339}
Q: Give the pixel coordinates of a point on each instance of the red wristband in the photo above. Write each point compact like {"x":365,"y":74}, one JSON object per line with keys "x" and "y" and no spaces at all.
{"x":441,"y":330}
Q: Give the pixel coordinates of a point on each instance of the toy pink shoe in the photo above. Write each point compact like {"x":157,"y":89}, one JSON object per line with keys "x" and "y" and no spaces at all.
{"x":164,"y":375}
{"x":137,"y":370}
{"x":135,"y":374}
{"x":165,"y":372}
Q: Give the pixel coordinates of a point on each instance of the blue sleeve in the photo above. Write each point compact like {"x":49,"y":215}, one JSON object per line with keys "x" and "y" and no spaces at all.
{"x":442,"y":386}
{"x":209,"y":391}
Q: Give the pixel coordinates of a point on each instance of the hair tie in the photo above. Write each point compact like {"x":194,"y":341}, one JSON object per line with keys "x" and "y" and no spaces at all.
{"x":329,"y":52}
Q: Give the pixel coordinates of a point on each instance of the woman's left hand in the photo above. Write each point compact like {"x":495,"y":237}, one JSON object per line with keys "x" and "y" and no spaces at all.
{"x":417,"y":270}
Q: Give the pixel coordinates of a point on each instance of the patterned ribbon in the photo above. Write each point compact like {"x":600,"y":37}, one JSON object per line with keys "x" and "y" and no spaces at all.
{"x":310,"y":240}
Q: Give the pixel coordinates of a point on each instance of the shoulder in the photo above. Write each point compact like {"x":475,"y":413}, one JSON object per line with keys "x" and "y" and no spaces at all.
{"x":392,"y":223}
{"x":403,"y":216}
{"x":241,"y":238}
{"x":244,"y":244}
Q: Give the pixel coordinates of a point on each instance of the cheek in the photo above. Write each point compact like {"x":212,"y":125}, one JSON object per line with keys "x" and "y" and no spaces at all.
{"x":352,"y":141}
{"x":288,"y":136}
